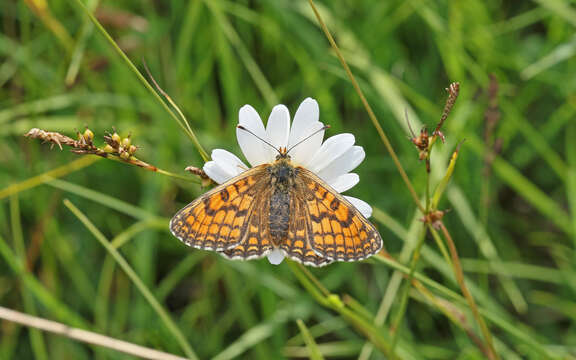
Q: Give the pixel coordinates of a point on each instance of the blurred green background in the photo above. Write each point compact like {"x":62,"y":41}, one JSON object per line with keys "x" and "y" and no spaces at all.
{"x":512,"y":197}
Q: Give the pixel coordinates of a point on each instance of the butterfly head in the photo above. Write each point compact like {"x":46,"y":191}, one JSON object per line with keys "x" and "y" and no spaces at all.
{"x":284,"y":151}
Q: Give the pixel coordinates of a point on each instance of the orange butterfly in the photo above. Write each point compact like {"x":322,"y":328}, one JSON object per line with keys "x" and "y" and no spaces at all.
{"x":277,"y":206}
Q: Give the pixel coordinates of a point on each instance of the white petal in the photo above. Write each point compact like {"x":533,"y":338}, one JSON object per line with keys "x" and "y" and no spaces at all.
{"x":303,"y":153}
{"x":345,"y":182}
{"x":307,"y":114}
{"x":342,"y":165}
{"x":216,"y":173}
{"x":278,"y":128}
{"x":228,"y":162}
{"x":275,"y":256}
{"x":332,"y":148}
{"x":254,"y":149}
{"x":361,"y":205}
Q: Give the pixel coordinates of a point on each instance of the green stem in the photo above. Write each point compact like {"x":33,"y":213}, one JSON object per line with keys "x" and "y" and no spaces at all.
{"x":155,"y":169}
{"x":315,"y":353}
{"x":177,"y":176}
{"x":440,"y":244}
{"x":428,"y":184}
{"x":368,"y":108}
{"x":471,"y":303}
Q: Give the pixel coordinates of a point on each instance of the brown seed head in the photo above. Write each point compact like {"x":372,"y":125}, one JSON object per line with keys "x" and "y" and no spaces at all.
{"x":421,"y":142}
{"x":434,"y":218}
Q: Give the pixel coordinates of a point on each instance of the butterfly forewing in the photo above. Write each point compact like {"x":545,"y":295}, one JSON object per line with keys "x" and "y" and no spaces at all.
{"x":220,"y":219}
{"x":338,"y":231}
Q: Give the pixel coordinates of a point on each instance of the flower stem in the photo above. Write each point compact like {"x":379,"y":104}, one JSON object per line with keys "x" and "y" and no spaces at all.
{"x":176,"y":176}
{"x":428,"y":184}
{"x":152,"y":168}
{"x":440,"y":244}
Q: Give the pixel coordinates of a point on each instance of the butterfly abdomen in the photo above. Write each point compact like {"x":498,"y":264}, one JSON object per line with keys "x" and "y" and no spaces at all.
{"x":283,"y":174}
{"x":279,"y":217}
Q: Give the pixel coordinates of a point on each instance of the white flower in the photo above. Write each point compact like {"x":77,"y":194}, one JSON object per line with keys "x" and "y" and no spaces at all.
{"x":332,"y":160}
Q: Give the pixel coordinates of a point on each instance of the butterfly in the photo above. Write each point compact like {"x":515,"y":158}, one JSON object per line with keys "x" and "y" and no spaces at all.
{"x":278,"y":205}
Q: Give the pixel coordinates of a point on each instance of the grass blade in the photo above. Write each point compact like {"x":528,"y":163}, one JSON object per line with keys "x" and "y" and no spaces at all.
{"x":146,"y":293}
{"x":314,"y":351}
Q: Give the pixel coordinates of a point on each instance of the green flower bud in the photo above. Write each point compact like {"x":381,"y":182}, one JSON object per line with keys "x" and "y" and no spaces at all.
{"x":116,"y":138}
{"x":88,"y":134}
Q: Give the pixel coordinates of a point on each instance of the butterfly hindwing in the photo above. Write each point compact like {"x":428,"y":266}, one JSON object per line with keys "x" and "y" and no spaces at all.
{"x":256,"y":241}
{"x":338,"y":231}
{"x":297,"y":245}
{"x":219,"y":219}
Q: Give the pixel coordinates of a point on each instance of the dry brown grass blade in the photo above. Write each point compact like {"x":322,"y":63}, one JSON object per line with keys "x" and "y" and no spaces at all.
{"x":88,"y":337}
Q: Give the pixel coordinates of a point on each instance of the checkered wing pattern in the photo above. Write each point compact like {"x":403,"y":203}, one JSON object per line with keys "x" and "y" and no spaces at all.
{"x":336,"y":229}
{"x":297,"y":245}
{"x":227,"y":217}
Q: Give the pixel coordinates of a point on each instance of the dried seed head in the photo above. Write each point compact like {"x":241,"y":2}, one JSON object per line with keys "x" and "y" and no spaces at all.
{"x":52,"y":137}
{"x":453,"y":92}
{"x":434,"y":218}
{"x":421,"y":142}
{"x":441,"y":135}
{"x":206,"y":181}
{"x":115,"y":145}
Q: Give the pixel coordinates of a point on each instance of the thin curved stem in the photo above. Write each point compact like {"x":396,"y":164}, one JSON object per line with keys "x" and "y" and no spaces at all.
{"x":368,"y":108}
{"x":469,"y":298}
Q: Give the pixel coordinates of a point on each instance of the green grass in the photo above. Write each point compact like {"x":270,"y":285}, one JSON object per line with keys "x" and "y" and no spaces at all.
{"x":86,"y":243}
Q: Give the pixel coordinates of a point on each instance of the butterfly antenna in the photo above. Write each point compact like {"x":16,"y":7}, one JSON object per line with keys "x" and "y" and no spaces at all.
{"x":258,"y":137}
{"x":308,"y":137}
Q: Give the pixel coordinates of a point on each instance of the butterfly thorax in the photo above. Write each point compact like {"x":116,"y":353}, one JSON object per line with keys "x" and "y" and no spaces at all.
{"x":282,"y":175}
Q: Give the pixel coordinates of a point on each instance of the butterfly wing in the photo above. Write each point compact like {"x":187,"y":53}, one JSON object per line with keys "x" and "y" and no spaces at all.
{"x":224,"y":217}
{"x":297,"y":245}
{"x":337,"y":230}
{"x":256,"y":240}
